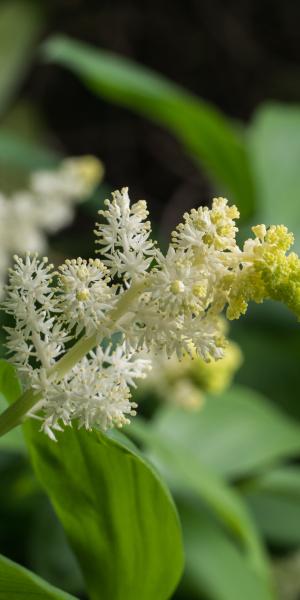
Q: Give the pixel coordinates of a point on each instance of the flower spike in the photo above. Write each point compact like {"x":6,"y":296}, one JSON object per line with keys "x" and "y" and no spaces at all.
{"x":84,"y":333}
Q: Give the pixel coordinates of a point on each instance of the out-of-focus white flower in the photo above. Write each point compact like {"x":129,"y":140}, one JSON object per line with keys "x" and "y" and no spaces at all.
{"x":58,"y":190}
{"x":47,"y":206}
{"x":159,"y":304}
{"x":187,"y":382}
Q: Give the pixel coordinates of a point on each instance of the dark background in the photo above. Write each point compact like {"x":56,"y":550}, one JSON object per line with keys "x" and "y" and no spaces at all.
{"x":235,"y":54}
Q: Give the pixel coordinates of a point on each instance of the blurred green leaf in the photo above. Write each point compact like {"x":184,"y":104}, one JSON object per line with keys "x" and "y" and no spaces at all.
{"x":235,"y":434}
{"x":17,"y":583}
{"x":185,"y":471}
{"x":263,"y":334}
{"x":60,"y":568}
{"x":274,"y":499}
{"x":206,"y":133}
{"x":10,"y":390}
{"x":23,"y":147}
{"x":214,"y":566}
{"x":274,"y":145}
{"x":118,"y":515}
{"x":20,"y":24}
{"x":25,"y":154}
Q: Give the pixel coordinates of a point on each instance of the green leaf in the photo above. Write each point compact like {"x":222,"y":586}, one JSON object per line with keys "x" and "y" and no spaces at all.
{"x":186,"y":471}
{"x":10,"y":390}
{"x":214,"y":566}
{"x":117,"y":513}
{"x":235,"y":434}
{"x":17,"y":583}
{"x":262,"y":335}
{"x":274,"y":499}
{"x":10,"y":387}
{"x":205,"y":132}
{"x":274,"y":145}
{"x":20,"y":24}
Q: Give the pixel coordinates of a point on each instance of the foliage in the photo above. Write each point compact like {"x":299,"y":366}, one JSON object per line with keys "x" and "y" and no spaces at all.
{"x":203,"y":456}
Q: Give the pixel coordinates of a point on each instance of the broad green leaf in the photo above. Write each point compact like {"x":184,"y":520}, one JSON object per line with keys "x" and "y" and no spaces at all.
{"x":235,"y":434}
{"x":186,"y":472}
{"x":10,"y":390}
{"x":117,"y":513}
{"x":214,"y":566}
{"x":204,"y":131}
{"x":274,"y":499}
{"x":20,"y":24}
{"x":17,"y":583}
{"x":274,"y":145}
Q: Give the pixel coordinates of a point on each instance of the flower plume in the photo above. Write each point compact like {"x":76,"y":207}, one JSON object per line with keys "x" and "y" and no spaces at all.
{"x":133,"y":303}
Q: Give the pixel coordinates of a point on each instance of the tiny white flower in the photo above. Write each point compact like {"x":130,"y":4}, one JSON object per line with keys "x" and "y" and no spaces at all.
{"x":179,"y":284}
{"x":84,"y":294}
{"x":127,"y":248}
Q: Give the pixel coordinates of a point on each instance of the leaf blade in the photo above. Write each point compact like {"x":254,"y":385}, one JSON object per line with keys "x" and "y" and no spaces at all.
{"x":274,"y":499}
{"x":236,"y":434}
{"x":187,"y":472}
{"x":98,"y":488}
{"x":10,"y":390}
{"x":210,"y":551}
{"x":18,"y":583}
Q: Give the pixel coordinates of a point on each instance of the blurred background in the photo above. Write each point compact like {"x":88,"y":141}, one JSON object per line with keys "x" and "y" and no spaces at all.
{"x":218,"y":113}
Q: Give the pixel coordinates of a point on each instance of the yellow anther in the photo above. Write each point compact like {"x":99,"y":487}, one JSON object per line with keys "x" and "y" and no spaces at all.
{"x":82,"y":295}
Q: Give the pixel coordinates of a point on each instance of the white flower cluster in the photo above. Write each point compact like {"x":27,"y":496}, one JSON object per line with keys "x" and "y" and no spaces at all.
{"x":124,"y":238}
{"x":45,"y":207}
{"x":149,"y":302}
{"x":182,"y":293}
{"x":96,"y":390}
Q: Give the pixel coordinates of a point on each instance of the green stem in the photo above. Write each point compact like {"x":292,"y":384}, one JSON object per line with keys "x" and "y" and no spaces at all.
{"x":13,"y":415}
